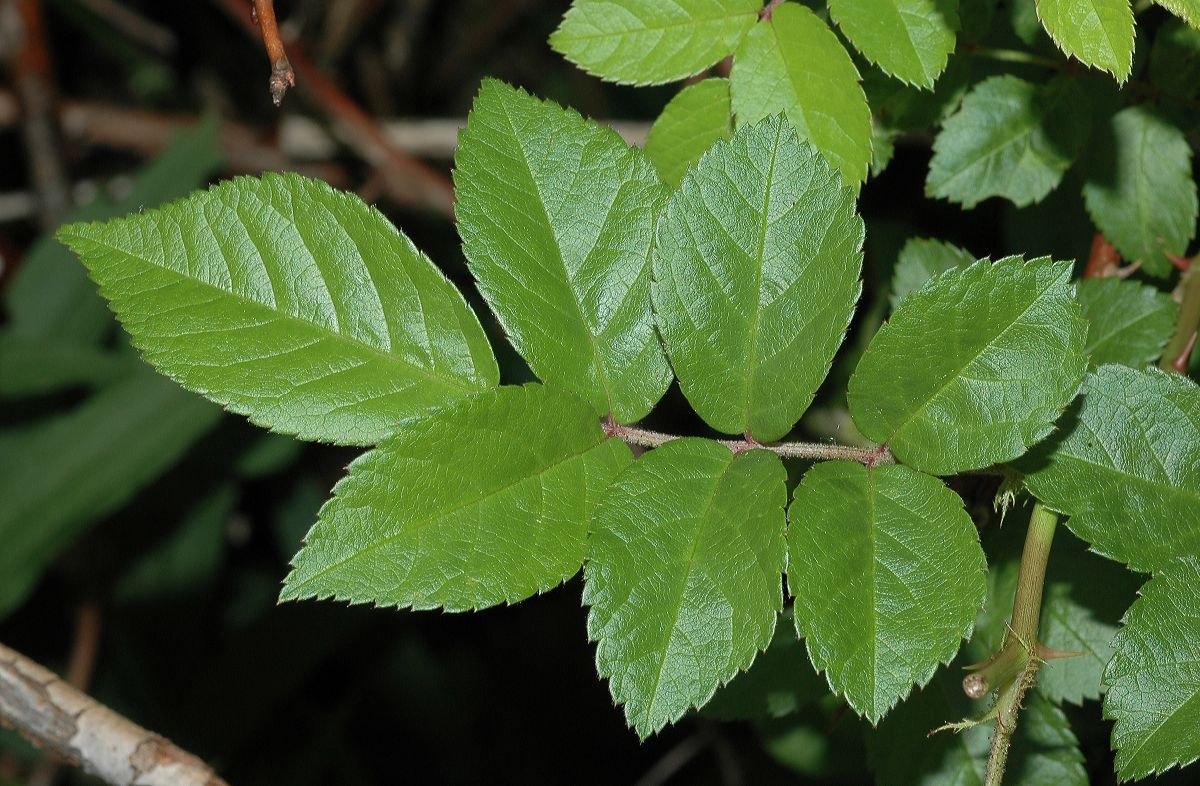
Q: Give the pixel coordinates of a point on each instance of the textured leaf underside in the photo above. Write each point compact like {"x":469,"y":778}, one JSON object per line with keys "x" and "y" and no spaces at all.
{"x":756,"y":274}
{"x":887,"y":572}
{"x":683,"y":575}
{"x":974,"y":367}
{"x":648,"y":42}
{"x":795,"y":64}
{"x":557,"y":218}
{"x":291,"y":303}
{"x":1154,"y":677}
{"x":485,"y":501}
{"x":1126,"y":468}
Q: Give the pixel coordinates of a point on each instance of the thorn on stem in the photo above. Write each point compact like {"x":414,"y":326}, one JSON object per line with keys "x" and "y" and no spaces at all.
{"x":1180,"y":364}
{"x":1182,"y":263}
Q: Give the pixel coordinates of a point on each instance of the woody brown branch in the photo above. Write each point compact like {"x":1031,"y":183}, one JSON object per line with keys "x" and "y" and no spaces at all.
{"x":51,"y":713}
{"x":282,"y":75}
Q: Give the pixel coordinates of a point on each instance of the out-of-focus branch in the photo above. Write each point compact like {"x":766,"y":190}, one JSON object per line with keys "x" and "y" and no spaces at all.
{"x":33,"y":77}
{"x":408,"y":181}
{"x":282,"y":75}
{"x":51,"y":713}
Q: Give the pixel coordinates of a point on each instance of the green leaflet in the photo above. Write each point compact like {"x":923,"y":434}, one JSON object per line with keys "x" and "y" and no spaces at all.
{"x":60,"y":475}
{"x":1175,"y":59}
{"x":34,"y":365}
{"x":557,"y":219}
{"x":794,"y":63}
{"x":1139,"y":188}
{"x":694,"y":119}
{"x":920,"y":260}
{"x":1010,"y":139}
{"x":909,"y":39}
{"x":1044,"y":750}
{"x":756,"y":274}
{"x":1188,"y":10}
{"x":1099,"y":33}
{"x":648,"y":42}
{"x":974,"y":367}
{"x":291,"y":303}
{"x":683,"y":575}
{"x":1154,"y":678}
{"x":482,"y":502}
{"x":1128,"y":323}
{"x":780,"y":682}
{"x":1126,"y":467}
{"x":887,"y":572}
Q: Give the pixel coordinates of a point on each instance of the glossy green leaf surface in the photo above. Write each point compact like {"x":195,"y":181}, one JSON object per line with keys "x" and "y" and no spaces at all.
{"x":974,"y":367}
{"x":1140,"y":190}
{"x":1010,"y":139}
{"x":1098,"y":33}
{"x":60,"y":475}
{"x":557,"y":219}
{"x":1154,"y":677}
{"x":908,"y":39}
{"x":920,"y":260}
{"x":887,"y":572}
{"x":410,"y":526}
{"x":647,"y":42}
{"x":1128,"y":323}
{"x":756,"y":274}
{"x":695,"y":118}
{"x":1126,"y":466}
{"x":291,"y":303}
{"x":795,"y":64}
{"x":684,"y":575}
{"x":1044,"y":750}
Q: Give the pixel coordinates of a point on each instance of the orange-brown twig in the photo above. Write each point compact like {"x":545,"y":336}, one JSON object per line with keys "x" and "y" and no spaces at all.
{"x":282,"y":75}
{"x":1103,"y":260}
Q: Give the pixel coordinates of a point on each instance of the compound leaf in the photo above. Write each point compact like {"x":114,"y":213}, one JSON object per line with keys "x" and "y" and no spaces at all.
{"x":909,"y":39}
{"x":1139,"y":188}
{"x":691,"y":122}
{"x":1010,"y":139}
{"x":920,"y":260}
{"x":756,"y":274}
{"x":291,"y":303}
{"x":557,"y":217}
{"x":481,"y":502}
{"x":794,"y":63}
{"x":1126,"y":468}
{"x":648,"y":42}
{"x":1153,"y":679}
{"x":683,"y":575}
{"x":1098,"y":33}
{"x":1128,"y":323}
{"x":887,"y":572}
{"x":974,"y":367}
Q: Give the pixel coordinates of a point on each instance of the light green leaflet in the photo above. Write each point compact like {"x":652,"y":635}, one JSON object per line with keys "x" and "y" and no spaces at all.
{"x":557,"y":219}
{"x":1188,"y":10}
{"x":794,"y":63}
{"x":909,"y":39}
{"x":291,"y":303}
{"x":1097,"y":32}
{"x":974,"y":367}
{"x":1127,"y":467}
{"x":482,"y":502}
{"x":922,"y":259}
{"x":1139,"y":188}
{"x":684,"y":575}
{"x":694,"y":119}
{"x":1010,"y":139}
{"x":647,"y":42}
{"x":887,"y":572}
{"x":1128,"y":323}
{"x":1044,"y":750}
{"x":59,"y":476}
{"x":756,"y":274}
{"x":1154,"y":678}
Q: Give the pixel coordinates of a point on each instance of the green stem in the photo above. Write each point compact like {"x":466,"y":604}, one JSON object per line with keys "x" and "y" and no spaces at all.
{"x":818,"y":451}
{"x":1187,"y":324}
{"x":1011,"y":670}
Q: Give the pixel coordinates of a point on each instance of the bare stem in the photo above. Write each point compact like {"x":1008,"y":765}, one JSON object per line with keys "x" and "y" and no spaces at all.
{"x":282,"y":75}
{"x":1179,"y":348}
{"x":819,"y":451}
